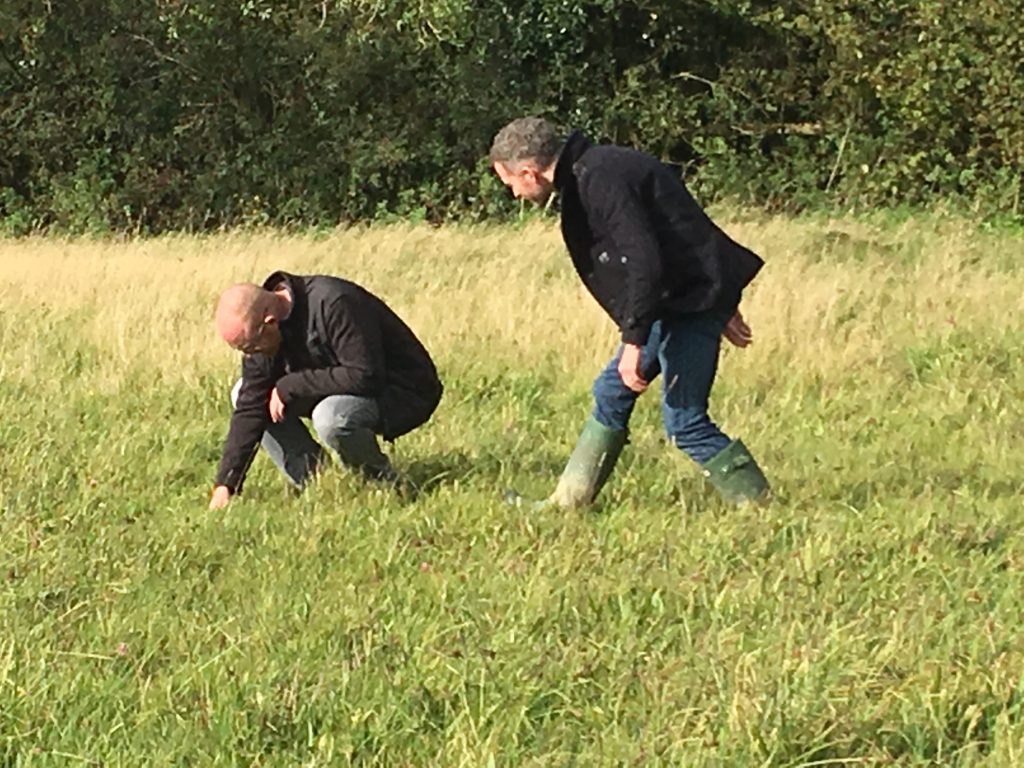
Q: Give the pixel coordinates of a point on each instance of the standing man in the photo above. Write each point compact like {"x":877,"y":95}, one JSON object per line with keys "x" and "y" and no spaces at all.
{"x":323,"y":348}
{"x":669,"y":278}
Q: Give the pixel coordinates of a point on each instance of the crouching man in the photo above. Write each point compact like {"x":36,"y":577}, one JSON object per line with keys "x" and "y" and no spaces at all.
{"x":322,"y":348}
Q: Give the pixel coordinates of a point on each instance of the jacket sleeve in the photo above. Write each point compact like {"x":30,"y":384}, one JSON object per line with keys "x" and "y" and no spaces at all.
{"x":614,"y":208}
{"x":248,"y":420}
{"x":354,"y":333}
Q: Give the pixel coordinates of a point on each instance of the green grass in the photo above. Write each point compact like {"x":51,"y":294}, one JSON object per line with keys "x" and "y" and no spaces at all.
{"x":870,"y":616}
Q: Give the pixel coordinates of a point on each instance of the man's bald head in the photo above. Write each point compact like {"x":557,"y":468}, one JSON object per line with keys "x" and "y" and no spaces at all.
{"x":241,"y":310}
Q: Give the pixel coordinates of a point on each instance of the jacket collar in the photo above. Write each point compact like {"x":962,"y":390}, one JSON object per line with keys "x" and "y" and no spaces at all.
{"x":296,"y":287}
{"x":573,"y":150}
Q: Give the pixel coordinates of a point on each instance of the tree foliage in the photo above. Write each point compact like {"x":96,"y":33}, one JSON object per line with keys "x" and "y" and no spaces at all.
{"x":160,"y":114}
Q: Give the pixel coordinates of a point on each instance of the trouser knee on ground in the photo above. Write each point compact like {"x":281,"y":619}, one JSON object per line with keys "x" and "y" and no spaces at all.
{"x":348,"y":425}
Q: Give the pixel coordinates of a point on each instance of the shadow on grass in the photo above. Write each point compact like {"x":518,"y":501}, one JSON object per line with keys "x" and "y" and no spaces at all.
{"x":489,"y":468}
{"x":431,"y":472}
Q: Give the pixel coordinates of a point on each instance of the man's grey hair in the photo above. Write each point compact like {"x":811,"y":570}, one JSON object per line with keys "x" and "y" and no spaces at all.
{"x":527,"y":139}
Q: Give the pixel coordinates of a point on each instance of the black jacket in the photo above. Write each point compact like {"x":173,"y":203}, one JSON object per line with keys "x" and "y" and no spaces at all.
{"x":338,"y":339}
{"x":640,"y":242}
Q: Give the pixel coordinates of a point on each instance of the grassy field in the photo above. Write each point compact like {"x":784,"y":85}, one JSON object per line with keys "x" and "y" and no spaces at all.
{"x":870,"y":616}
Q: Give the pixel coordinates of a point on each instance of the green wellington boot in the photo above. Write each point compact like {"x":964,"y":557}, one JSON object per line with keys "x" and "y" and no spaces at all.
{"x":589,"y":466}
{"x":734,"y":472}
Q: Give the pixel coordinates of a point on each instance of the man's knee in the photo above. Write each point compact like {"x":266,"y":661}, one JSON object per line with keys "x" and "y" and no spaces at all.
{"x":340,"y":414}
{"x":234,"y":393}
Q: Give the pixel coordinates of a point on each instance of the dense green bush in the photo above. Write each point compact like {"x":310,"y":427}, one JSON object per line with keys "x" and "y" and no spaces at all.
{"x":145,"y":116}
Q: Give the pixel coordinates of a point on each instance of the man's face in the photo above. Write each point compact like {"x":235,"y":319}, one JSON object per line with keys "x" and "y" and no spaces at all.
{"x":265,"y":339}
{"x":525,"y":181}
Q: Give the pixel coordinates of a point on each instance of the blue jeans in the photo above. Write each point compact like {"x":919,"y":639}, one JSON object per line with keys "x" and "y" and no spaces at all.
{"x":346,"y":423}
{"x":685,"y":351}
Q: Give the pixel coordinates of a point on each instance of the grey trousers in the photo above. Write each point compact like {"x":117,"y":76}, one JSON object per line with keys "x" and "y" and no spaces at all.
{"x":348,"y":424}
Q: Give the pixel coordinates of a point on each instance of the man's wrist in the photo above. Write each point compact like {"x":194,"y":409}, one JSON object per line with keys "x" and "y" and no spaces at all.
{"x":636,"y":336}
{"x":282,"y":388}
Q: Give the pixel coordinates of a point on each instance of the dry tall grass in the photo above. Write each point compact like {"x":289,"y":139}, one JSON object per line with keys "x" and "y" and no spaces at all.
{"x":834,"y":295}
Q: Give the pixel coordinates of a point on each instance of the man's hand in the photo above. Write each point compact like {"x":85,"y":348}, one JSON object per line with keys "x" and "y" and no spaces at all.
{"x":737,"y":331}
{"x":220,"y":497}
{"x":629,"y":368}
{"x":276,"y":406}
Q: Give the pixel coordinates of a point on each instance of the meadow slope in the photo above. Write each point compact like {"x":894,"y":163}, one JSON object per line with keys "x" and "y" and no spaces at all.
{"x":870,"y":616}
